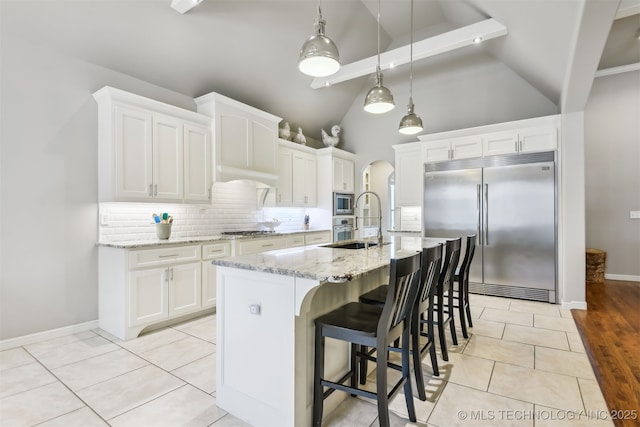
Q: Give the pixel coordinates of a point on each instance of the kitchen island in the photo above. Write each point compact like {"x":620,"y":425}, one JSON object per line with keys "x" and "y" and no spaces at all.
{"x":266,"y":306}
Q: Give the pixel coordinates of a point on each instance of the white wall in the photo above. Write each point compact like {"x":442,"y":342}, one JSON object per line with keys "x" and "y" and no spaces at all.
{"x":48,"y":194}
{"x":612,"y":159}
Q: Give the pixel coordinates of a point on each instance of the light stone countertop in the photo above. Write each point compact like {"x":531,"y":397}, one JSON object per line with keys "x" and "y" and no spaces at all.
{"x":328,"y":264}
{"x":136,"y":244}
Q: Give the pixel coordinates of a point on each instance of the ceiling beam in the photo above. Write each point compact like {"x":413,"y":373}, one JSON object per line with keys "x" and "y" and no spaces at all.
{"x":455,"y":39}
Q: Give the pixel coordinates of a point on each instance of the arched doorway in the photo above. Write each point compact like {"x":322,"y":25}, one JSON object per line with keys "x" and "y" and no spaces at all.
{"x":377,"y":176}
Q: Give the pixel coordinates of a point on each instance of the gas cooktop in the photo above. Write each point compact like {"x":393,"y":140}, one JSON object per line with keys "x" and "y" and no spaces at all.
{"x":247,"y":232}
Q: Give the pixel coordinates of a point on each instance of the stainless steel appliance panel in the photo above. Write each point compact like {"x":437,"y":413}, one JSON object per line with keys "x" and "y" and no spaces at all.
{"x":518,"y":232}
{"x":343,"y":229}
{"x":452,"y":208}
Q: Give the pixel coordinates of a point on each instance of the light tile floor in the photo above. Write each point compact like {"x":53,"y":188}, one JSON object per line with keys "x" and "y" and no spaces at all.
{"x":523,"y":365}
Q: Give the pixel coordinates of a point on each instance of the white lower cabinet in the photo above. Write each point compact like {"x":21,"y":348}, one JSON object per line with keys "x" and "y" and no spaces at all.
{"x":141,"y":287}
{"x":317,"y":237}
{"x":209,"y":252}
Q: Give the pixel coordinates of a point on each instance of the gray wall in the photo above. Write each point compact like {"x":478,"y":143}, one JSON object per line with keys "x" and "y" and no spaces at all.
{"x":612,"y":171}
{"x":454,"y":95}
{"x":48,"y":185}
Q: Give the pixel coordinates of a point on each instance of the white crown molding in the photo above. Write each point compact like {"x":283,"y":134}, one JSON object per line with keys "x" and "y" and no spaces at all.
{"x":630,"y":10}
{"x":184,"y":6}
{"x":451,"y":40}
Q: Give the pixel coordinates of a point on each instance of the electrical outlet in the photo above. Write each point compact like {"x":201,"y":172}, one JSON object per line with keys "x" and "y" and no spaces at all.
{"x":254,"y":308}
{"x":634,"y":214}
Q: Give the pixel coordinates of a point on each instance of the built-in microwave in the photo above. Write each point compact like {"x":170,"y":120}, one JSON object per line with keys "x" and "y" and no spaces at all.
{"x":342,"y":204}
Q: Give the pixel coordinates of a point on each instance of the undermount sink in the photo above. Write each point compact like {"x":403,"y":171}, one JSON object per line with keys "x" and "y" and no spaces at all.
{"x":351,"y":245}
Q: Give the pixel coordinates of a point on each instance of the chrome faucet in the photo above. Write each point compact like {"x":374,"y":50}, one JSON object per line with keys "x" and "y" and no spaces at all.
{"x":355,"y":209}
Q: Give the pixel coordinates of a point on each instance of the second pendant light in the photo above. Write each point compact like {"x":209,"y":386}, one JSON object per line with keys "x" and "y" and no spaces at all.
{"x":379,"y":99}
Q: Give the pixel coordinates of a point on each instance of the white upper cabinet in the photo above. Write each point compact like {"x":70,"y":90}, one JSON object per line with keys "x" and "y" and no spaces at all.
{"x":246,"y":139}
{"x":197,"y":163}
{"x":296,"y":175}
{"x":452,"y":149}
{"x":408,"y":174}
{"x":541,"y":138}
{"x":343,"y":175}
{"x":151,"y":151}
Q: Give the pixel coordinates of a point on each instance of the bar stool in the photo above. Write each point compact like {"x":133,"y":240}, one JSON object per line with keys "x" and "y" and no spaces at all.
{"x":461,"y":278}
{"x":431,"y":263}
{"x":445,"y":287}
{"x":371,"y":326}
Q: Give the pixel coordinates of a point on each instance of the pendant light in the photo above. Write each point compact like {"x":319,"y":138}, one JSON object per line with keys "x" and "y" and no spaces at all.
{"x":411,"y":123}
{"x":319,"y":55}
{"x":379,"y":99}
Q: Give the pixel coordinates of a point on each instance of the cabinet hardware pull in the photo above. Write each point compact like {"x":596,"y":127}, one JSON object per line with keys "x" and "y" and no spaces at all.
{"x":216,"y":251}
{"x":171,"y":273}
{"x":267,"y":245}
{"x":168,"y":256}
{"x":516,"y":146}
{"x":155,"y":189}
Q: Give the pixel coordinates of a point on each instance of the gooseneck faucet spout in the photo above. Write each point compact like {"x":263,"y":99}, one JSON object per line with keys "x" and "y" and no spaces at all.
{"x":355,"y":208}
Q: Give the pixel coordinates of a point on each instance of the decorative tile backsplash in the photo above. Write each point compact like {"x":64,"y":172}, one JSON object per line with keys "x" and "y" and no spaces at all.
{"x":234,"y":206}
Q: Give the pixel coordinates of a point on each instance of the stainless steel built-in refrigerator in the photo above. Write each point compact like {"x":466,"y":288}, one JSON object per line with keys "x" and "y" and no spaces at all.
{"x":509,"y":201}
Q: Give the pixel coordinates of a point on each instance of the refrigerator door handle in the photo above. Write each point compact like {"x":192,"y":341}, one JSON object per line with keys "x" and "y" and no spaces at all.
{"x":479,"y":214}
{"x":486,"y":215}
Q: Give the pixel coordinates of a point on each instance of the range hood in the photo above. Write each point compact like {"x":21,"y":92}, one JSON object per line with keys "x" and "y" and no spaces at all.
{"x":226,"y":173}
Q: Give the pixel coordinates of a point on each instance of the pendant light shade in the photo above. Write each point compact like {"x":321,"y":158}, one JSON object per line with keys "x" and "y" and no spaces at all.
{"x":319,"y":56}
{"x":411,"y":123}
{"x":379,"y":99}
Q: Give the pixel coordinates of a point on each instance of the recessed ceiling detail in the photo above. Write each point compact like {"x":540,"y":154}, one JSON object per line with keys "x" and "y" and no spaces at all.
{"x":451,"y":40}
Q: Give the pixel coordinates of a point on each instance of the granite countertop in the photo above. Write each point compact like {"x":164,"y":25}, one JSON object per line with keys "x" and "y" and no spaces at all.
{"x":135,"y":244}
{"x":328,"y":264}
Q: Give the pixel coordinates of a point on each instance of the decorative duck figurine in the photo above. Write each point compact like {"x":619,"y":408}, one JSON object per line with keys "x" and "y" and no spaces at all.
{"x":285,"y":131}
{"x":300,"y":138}
{"x":331,"y":141}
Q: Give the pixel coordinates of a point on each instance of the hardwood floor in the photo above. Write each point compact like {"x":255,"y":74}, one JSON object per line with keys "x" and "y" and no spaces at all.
{"x":610,"y":330}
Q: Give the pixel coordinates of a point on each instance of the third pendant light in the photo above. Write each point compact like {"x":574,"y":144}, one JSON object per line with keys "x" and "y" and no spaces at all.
{"x":379,"y":99}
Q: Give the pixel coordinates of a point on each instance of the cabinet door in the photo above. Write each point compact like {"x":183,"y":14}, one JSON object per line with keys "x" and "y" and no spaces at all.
{"x":148,"y":296}
{"x":436,"y":151}
{"x":263,"y":147}
{"x":197,"y":163}
{"x":134,"y":153}
{"x":464,"y":148}
{"x":208,"y":284}
{"x":317,"y":238}
{"x":284,"y":190}
{"x":184,"y":288}
{"x":168,"y":151}
{"x":348,"y":170}
{"x":298,"y":175}
{"x":500,"y":143}
{"x":338,"y":181}
{"x":409,"y":178}
{"x":538,"y":139}
{"x":310,"y":180}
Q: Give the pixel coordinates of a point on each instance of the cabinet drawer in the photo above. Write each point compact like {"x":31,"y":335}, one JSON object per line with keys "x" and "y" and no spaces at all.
{"x":315,"y":238}
{"x":260,"y":245}
{"x":163,"y":256}
{"x":294,"y":241}
{"x":216,"y":250}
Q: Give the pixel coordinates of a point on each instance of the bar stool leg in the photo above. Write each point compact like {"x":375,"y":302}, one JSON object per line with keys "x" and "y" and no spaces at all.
{"x":417,"y":360}
{"x":452,"y":324}
{"x":318,"y":372}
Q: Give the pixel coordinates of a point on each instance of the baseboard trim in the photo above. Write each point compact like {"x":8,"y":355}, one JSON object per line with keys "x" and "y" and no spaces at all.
{"x":47,"y":335}
{"x":574,"y":305}
{"x":624,"y":277}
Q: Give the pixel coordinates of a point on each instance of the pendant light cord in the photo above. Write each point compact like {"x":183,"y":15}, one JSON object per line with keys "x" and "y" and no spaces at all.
{"x":378,"y":68}
{"x":411,"y":59}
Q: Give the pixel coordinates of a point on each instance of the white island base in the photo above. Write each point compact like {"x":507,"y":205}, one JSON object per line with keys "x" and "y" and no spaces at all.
{"x":266,"y":341}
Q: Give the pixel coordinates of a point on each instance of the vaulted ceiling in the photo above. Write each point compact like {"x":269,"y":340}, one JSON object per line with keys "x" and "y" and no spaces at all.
{"x":248,"y":50}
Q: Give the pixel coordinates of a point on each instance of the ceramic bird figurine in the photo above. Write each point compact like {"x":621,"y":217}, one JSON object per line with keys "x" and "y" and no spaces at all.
{"x":285,"y":131}
{"x":331,"y":141}
{"x":300,"y":138}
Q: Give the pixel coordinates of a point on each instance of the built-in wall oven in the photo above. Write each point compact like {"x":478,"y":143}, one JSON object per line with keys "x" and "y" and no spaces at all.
{"x":343,"y":229}
{"x":342,"y":204}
